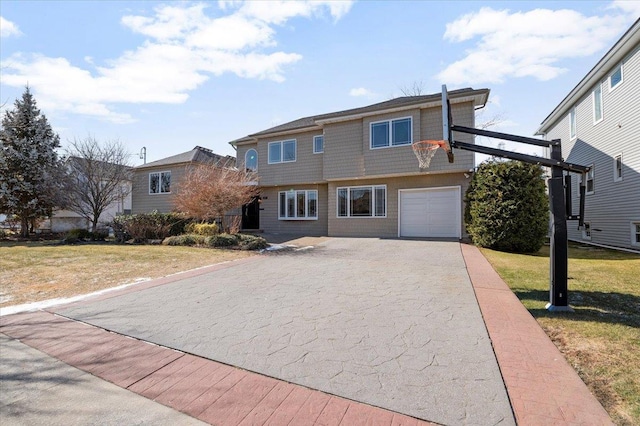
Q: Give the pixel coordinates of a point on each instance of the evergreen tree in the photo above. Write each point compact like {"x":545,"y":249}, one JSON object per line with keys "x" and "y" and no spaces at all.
{"x":506,"y":206}
{"x":30,"y":170}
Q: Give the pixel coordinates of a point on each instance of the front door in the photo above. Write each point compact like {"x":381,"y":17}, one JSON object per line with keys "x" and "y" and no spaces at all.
{"x":251,"y":214}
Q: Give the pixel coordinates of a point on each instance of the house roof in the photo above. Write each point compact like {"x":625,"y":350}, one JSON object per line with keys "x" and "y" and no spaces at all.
{"x":198,"y":154}
{"x":617,"y":53}
{"x":479,"y":97}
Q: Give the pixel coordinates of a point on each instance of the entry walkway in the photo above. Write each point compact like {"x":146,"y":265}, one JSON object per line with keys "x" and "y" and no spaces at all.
{"x":444,"y":367}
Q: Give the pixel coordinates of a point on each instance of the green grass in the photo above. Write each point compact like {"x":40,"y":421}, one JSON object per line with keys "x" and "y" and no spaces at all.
{"x":601,"y":339}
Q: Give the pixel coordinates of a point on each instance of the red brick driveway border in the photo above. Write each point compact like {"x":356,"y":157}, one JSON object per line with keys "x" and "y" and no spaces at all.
{"x":210,"y":391}
{"x":543,"y":388}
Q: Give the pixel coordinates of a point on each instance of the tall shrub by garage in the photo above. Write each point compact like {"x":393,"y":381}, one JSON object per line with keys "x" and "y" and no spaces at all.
{"x":507,"y":207}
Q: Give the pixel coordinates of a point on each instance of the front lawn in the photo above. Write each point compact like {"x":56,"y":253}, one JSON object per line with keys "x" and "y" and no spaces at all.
{"x":601,"y":339}
{"x":36,"y":271}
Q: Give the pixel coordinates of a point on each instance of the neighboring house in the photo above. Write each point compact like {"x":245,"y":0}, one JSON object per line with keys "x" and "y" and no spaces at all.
{"x":353,"y":173}
{"x":599,"y":125}
{"x":65,"y":220}
{"x":154,"y":183}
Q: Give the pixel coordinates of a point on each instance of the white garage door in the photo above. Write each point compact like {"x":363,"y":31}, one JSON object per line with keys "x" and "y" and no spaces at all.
{"x":433,"y":212}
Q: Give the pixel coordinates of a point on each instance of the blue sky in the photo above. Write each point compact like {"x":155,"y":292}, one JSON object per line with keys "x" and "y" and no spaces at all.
{"x":171,"y":75}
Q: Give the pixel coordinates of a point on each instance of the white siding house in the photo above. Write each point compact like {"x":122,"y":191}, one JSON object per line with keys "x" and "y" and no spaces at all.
{"x":599,"y":125}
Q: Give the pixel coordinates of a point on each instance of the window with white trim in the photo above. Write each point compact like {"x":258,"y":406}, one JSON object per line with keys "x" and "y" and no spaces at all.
{"x":615,"y":78}
{"x":318,"y":144}
{"x":617,"y":168}
{"x":384,"y":134}
{"x":590,"y":184}
{"x":597,"y":104}
{"x":251,"y":160}
{"x":362,"y":201}
{"x":282,"y":151}
{"x":298,"y":205}
{"x":572,"y":123}
{"x":635,"y":233}
{"x":160,"y":183}
{"x":586,"y":231}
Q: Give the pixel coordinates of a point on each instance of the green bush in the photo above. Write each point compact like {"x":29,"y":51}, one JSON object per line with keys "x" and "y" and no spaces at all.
{"x":507,"y":207}
{"x":149,"y":226}
{"x":251,"y":242}
{"x":221,"y":240}
{"x":79,"y":234}
{"x":184,"y":240}
{"x":207,"y":229}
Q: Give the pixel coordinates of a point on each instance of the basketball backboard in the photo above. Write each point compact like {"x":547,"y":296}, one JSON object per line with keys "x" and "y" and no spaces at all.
{"x":447,"y":134}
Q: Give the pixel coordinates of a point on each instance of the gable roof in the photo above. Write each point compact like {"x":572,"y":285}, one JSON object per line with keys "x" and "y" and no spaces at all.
{"x":479,"y":97}
{"x":198,"y":155}
{"x":629,"y":41}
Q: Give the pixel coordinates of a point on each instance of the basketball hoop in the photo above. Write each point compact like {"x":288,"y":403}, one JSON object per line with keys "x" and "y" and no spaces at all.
{"x":425,"y":150}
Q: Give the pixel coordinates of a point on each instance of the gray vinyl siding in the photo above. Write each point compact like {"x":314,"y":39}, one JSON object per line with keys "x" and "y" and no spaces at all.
{"x":387,"y":227}
{"x":142,"y":201}
{"x":348,"y":153}
{"x":306,"y":169}
{"x":269,"y":221}
{"x":613,"y":205}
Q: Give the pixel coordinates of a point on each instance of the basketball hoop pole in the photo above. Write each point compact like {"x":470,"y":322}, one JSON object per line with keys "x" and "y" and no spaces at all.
{"x":558,"y":268}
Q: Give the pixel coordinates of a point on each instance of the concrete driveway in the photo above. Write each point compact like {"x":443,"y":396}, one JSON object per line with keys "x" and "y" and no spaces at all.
{"x":392,"y":323}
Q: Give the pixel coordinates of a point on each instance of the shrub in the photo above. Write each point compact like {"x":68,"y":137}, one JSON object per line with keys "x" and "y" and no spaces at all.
{"x":148,"y":226}
{"x":184,"y":240}
{"x":77,"y":234}
{"x":251,"y":242}
{"x":207,"y":229}
{"x":222,"y":240}
{"x":506,"y":207}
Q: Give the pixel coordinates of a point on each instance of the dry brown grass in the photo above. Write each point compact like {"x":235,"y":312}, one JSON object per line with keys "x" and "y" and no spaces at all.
{"x":36,"y":271}
{"x":601,"y":339}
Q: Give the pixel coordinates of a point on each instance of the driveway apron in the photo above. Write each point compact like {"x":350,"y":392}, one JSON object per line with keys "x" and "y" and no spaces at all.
{"x":391,"y":323}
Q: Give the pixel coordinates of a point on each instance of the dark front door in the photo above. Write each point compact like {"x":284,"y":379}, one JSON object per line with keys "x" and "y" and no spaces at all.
{"x":251,"y":214}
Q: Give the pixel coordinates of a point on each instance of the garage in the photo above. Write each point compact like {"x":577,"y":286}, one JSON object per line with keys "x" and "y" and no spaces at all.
{"x":430,"y":212}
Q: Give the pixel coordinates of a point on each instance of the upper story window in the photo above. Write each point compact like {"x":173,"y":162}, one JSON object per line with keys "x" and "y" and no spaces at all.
{"x":282,"y":151}
{"x":251,"y":160}
{"x":388,"y":133}
{"x":590,"y":184}
{"x":597,"y":104}
{"x":362,"y":201}
{"x":318,"y":144}
{"x":615,"y":78}
{"x":160,"y":183}
{"x":617,"y":168}
{"x":572,"y":123}
{"x":298,"y":205}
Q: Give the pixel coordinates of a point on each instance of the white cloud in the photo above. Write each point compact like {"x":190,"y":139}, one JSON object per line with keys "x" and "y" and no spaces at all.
{"x":8,"y":28}
{"x":361,"y":91}
{"x":525,"y":44}
{"x":184,"y":48}
{"x":629,"y":6}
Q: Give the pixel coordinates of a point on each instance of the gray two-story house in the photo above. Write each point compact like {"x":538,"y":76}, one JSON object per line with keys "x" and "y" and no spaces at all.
{"x":599,"y":125}
{"x":354,"y":173}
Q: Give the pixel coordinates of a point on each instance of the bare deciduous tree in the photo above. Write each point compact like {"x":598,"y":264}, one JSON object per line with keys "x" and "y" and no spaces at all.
{"x":417,"y":88}
{"x":414,"y":89}
{"x":209,"y":191}
{"x":99,"y":176}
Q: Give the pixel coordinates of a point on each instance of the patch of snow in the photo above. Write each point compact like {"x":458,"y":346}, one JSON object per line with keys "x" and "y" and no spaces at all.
{"x":34,"y":306}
